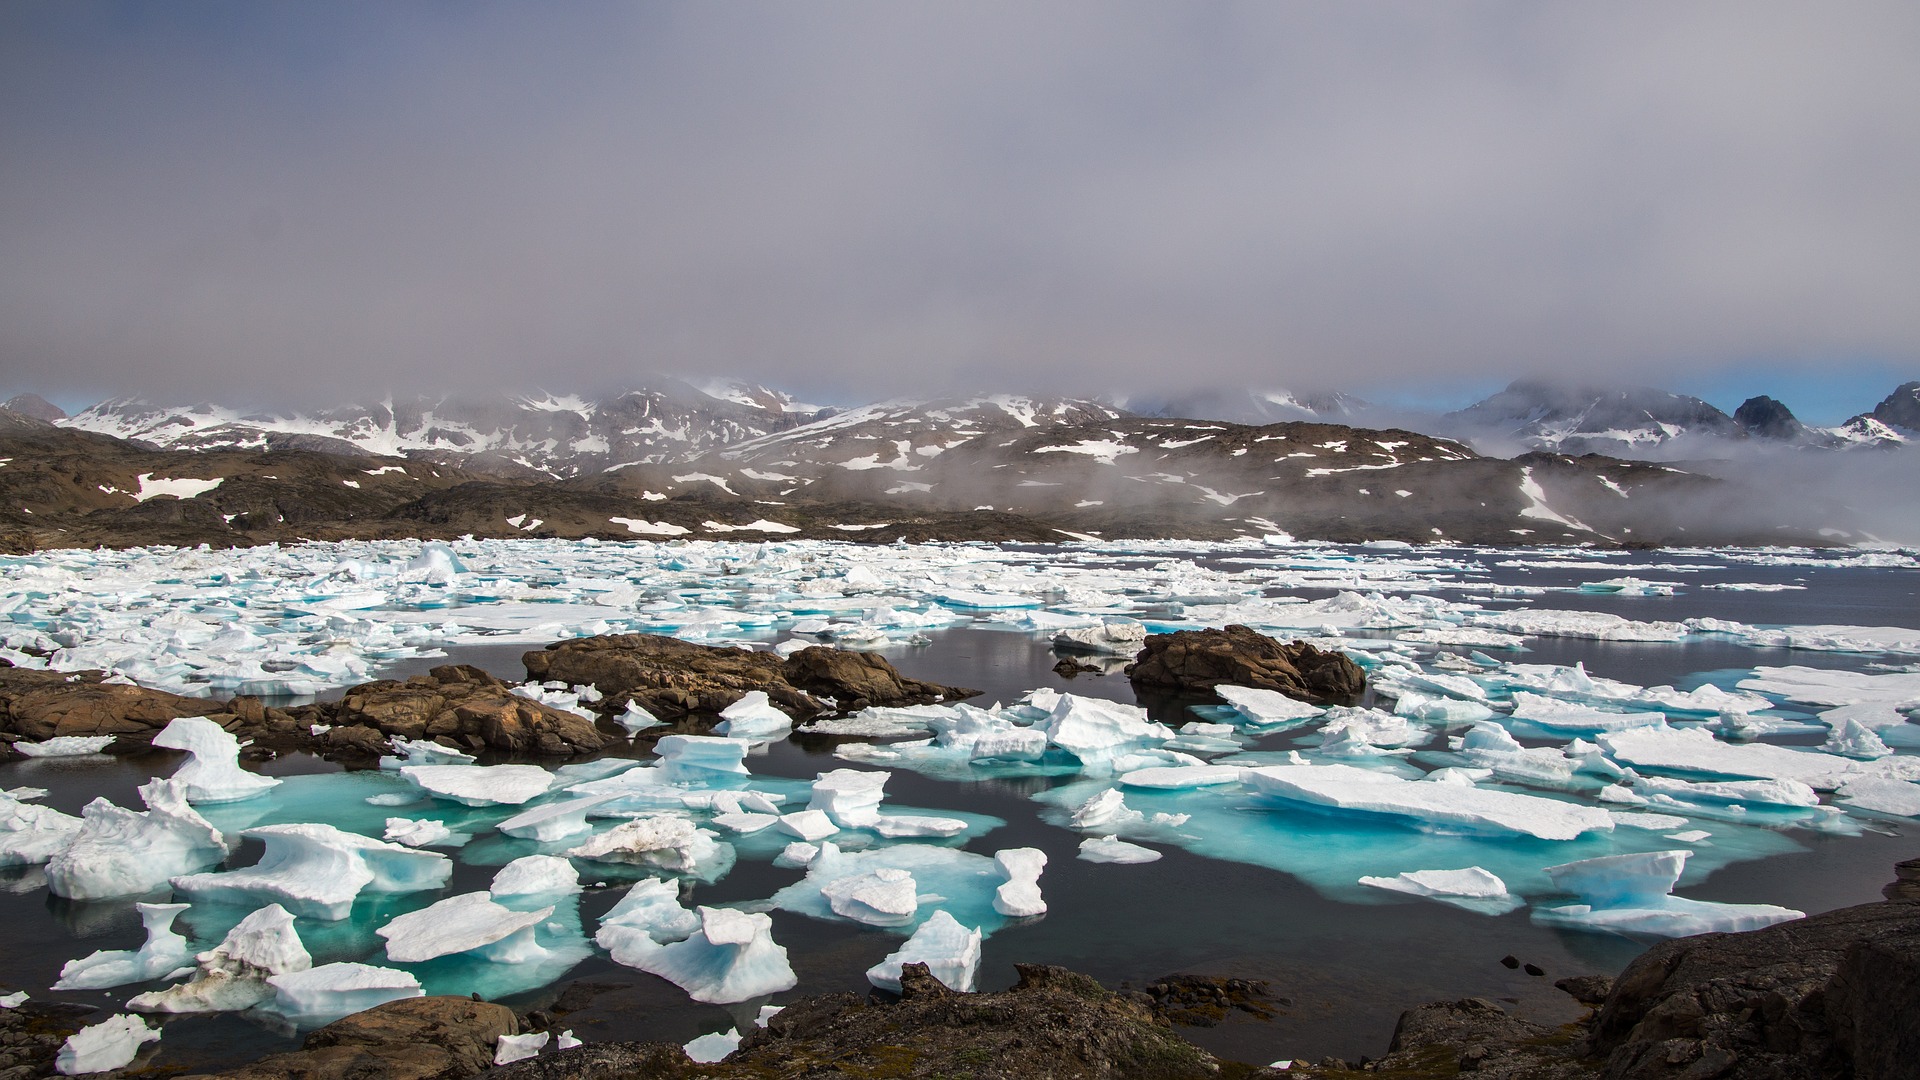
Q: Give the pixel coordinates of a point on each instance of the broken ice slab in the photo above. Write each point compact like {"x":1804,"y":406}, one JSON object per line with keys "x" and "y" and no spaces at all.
{"x":163,"y":952}
{"x":480,"y":785}
{"x":663,"y":840}
{"x":1019,"y":896}
{"x":64,"y":746}
{"x":964,"y":882}
{"x":648,"y":916}
{"x":1696,"y":752}
{"x":731,"y":958}
{"x":317,"y":871}
{"x":121,"y":852}
{"x":212,"y":772}
{"x":1554,"y":718}
{"x":326,"y":993}
{"x":950,"y":951}
{"x":1266,"y":710}
{"x":753,"y":717}
{"x":535,"y":876}
{"x":422,"y":752}
{"x":1426,"y":803}
{"x":233,"y":975}
{"x":883,"y":897}
{"x":1473,"y":888}
{"x":110,"y":1044}
{"x":30,"y":834}
{"x":700,"y":759}
{"x":1112,"y":849}
{"x":553,"y":821}
{"x":1632,"y":895}
{"x":468,"y":923}
{"x":1881,"y":795}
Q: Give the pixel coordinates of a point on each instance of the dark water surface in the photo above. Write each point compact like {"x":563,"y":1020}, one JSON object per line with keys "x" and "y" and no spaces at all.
{"x":1349,"y":969}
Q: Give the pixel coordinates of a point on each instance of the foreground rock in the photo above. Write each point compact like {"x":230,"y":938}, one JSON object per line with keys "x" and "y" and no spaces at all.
{"x":1053,"y":1024}
{"x":40,"y":705}
{"x":427,"y":1038}
{"x":1199,"y":660}
{"x":458,"y":703}
{"x":669,"y":677}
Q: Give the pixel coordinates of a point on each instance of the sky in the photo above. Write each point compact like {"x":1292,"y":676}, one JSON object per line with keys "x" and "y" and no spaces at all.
{"x":276,"y":202}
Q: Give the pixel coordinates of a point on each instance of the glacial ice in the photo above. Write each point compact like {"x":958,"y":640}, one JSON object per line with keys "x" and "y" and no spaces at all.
{"x":317,"y":871}
{"x":417,"y":832}
{"x":165,"y":951}
{"x":111,"y":1044}
{"x":731,"y":958}
{"x":536,"y":875}
{"x":64,"y":746}
{"x":480,"y":785}
{"x":325,"y":993}
{"x":1019,"y":896}
{"x":31,"y":834}
{"x":649,"y":915}
{"x":753,"y":717}
{"x":552,"y":821}
{"x":212,"y":772}
{"x":1632,"y":894}
{"x":468,"y":923}
{"x":950,"y":951}
{"x":233,"y":975}
{"x":663,"y":840}
{"x":120,"y":852}
{"x":1426,"y":803}
{"x":700,"y":759}
{"x":1112,"y":849}
{"x":422,"y":752}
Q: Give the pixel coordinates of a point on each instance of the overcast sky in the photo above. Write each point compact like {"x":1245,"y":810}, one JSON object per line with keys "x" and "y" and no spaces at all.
{"x":252,"y":199}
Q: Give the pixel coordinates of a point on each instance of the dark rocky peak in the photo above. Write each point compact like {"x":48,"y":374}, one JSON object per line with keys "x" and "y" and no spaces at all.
{"x":1766,"y":418}
{"x":35,"y":406}
{"x":1901,"y":408}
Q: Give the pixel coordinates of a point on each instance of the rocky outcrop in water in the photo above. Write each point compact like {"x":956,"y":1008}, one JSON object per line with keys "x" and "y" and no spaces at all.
{"x":1199,"y":660}
{"x":37,"y":705}
{"x":671,"y":678}
{"x":426,"y":1038}
{"x":462,"y":704}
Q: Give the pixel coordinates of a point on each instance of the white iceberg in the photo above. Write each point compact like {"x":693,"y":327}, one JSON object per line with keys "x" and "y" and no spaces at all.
{"x":1112,"y":849}
{"x":233,"y":975}
{"x":851,"y":797}
{"x":103,"y":1047}
{"x":416,"y":832}
{"x":1632,"y":894}
{"x":807,"y":825}
{"x":212,"y":774}
{"x":317,"y":871}
{"x":554,"y":821}
{"x":753,"y":717}
{"x":634,"y":719}
{"x":164,"y":952}
{"x":422,"y":752}
{"x":1480,"y":889}
{"x":331,"y":991}
{"x":668,"y":841}
{"x":1096,"y":730}
{"x":536,"y":875}
{"x":950,"y":951}
{"x":648,"y":916}
{"x":121,"y":852}
{"x":732,"y":957}
{"x":1428,"y":803}
{"x":480,"y":785}
{"x":1020,"y":895}
{"x":1114,"y":637}
{"x":30,"y":834}
{"x":471,"y":923}
{"x":713,"y":1046}
{"x":700,"y":759}
{"x":885,"y":897}
{"x":1855,"y":740}
{"x":64,"y":746}
{"x":1108,"y":812}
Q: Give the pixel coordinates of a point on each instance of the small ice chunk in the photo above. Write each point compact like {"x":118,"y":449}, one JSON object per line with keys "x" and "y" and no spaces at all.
{"x":808,"y":825}
{"x":317,"y":871}
{"x":480,"y":785}
{"x":950,"y":951}
{"x":885,"y":897}
{"x":536,"y":875}
{"x":121,"y":852}
{"x":164,"y":951}
{"x":1473,"y":884}
{"x":469,"y":923}
{"x":731,"y":958}
{"x":713,"y":1047}
{"x":851,"y":797}
{"x":566,"y":1041}
{"x":895,"y":826}
{"x":634,"y":719}
{"x":1691,"y":836}
{"x":796,"y":854}
{"x":1267,"y":707}
{"x":233,"y":975}
{"x":394,"y":798}
{"x":1109,"y":813}
{"x":753,"y":717}
{"x":554,"y":821}
{"x":65,"y":746}
{"x":422,"y":752}
{"x":32,"y":834}
{"x":212,"y":774}
{"x":1855,"y":740}
{"x":110,"y":1044}
{"x":668,"y":841}
{"x":700,"y":759}
{"x":511,"y":1048}
{"x":1020,"y":895}
{"x":13,"y":1000}
{"x":422,"y":832}
{"x":1112,"y":849}
{"x":331,"y":991}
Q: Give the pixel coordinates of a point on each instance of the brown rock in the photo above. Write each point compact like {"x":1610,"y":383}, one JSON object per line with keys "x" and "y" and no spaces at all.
{"x":46,"y":704}
{"x":427,"y":1038}
{"x":857,"y":680}
{"x":1238,"y":656}
{"x":458,"y":700}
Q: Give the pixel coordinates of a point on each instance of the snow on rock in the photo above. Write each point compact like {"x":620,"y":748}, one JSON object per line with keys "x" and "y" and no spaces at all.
{"x":1427,"y":803}
{"x":1632,"y":894}
{"x":1020,"y":895}
{"x":30,"y":834}
{"x":212,"y":774}
{"x":317,"y":871}
{"x":511,"y":1048}
{"x":753,"y":717}
{"x":165,"y":951}
{"x":536,"y":875}
{"x":668,"y":841}
{"x":471,"y":923}
{"x":233,"y":975}
{"x":330,"y":991}
{"x":732,"y":957}
{"x":121,"y":852}
{"x":65,"y":746}
{"x":1111,"y":849}
{"x":480,"y":785}
{"x":950,"y":951}
{"x":111,"y":1044}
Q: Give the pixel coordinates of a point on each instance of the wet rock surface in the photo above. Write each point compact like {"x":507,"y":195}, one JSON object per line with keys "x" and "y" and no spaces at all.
{"x":671,"y":678}
{"x":427,"y":1038}
{"x":37,"y":705}
{"x":461,"y":704}
{"x":1199,"y":660}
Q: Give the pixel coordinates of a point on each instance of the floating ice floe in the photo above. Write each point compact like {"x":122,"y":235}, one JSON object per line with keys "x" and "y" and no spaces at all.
{"x":1097,"y":731}
{"x":1563,"y":718}
{"x":480,"y":785}
{"x":422,"y":752}
{"x":753,"y":717}
{"x":164,"y":952}
{"x":1473,"y":888}
{"x":1112,"y":849}
{"x":233,"y":975}
{"x":317,"y":871}
{"x":1428,"y":803}
{"x":1632,"y":894}
{"x":1764,"y":792}
{"x":30,"y":834}
{"x":1108,"y":813}
{"x":65,"y":746}
{"x":1020,"y":895}
{"x":471,"y":923}
{"x":121,"y":852}
{"x":1693,"y":750}
{"x":417,"y":832}
{"x":511,"y":1048}
{"x":555,"y":820}
{"x":1112,"y":637}
{"x":1267,"y":709}
{"x":1882,"y":796}
{"x":700,"y":759}
{"x":103,"y":1047}
{"x":950,"y":951}
{"x":664,"y":840}
{"x":634,"y":719}
{"x":731,"y":957}
{"x":212,"y":773}
{"x":325,"y":993}
{"x":1174,"y":777}
{"x":884,"y":897}
{"x":1853,"y":739}
{"x":536,"y":875}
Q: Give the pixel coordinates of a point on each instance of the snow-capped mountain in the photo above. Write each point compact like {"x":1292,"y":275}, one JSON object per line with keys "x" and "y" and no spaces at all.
{"x":1248,"y":406}
{"x":1893,"y":422}
{"x":554,"y":435}
{"x":1582,"y":420}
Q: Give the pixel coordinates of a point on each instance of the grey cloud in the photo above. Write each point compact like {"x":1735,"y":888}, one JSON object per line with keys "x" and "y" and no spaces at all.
{"x":872,"y":198}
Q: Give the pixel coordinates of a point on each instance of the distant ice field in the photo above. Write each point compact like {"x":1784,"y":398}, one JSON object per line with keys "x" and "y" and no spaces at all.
{"x":1564,"y":754}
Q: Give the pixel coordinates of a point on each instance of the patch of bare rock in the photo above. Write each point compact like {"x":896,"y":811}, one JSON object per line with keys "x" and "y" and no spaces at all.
{"x":1199,"y":660}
